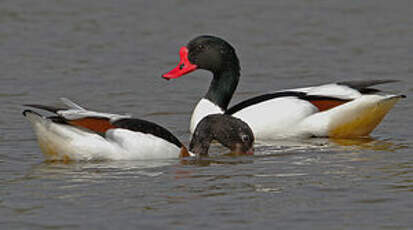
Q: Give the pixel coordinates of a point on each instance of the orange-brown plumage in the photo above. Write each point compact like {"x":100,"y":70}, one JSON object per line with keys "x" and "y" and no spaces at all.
{"x":99,"y":125}
{"x":323,"y":105}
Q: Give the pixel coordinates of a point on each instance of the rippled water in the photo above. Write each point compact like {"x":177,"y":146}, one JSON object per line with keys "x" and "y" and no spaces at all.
{"x":108,"y":55}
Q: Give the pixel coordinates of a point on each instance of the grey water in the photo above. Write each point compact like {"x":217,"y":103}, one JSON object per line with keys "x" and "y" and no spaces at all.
{"x":108,"y":56}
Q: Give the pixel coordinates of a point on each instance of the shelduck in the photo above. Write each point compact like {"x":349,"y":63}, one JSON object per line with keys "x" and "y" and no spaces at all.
{"x":339,"y":110}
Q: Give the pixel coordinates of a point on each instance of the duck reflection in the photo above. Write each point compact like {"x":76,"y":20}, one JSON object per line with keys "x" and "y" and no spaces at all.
{"x":362,"y":143}
{"x":369,"y":143}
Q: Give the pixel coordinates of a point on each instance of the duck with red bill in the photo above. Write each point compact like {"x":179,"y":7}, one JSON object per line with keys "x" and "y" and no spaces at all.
{"x":344,"y":109}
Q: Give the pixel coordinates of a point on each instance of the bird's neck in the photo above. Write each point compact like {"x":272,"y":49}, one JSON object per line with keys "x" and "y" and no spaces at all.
{"x":200,"y":144}
{"x":222,"y":87}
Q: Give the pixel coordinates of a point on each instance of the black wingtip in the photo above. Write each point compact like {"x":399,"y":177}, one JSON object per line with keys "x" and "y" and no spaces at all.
{"x":26,"y":111}
{"x":44,"y":107}
{"x":359,"y":84}
{"x":364,"y":86}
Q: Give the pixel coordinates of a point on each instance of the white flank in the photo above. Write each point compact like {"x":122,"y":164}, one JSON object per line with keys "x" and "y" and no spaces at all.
{"x":63,"y":142}
{"x":276,"y":118}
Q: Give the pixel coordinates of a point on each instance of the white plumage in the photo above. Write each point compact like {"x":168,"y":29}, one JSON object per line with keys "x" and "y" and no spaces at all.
{"x":290,"y":116}
{"x":65,"y":142}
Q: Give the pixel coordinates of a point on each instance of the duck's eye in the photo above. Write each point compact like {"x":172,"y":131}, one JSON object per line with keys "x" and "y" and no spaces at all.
{"x":245,"y":138}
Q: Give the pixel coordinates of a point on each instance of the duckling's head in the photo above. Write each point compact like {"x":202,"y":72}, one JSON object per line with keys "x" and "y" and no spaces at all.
{"x":231,"y":132}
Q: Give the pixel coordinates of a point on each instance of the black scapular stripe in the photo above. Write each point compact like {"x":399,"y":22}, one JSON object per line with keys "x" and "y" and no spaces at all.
{"x":51,"y":109}
{"x":265,"y":97}
{"x":147,"y":127}
{"x":363,"y":86}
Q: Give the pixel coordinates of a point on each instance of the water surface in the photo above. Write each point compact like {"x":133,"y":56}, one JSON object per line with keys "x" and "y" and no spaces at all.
{"x":108,"y":55}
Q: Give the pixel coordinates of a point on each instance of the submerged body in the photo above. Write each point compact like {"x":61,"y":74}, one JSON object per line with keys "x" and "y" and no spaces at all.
{"x":339,"y":110}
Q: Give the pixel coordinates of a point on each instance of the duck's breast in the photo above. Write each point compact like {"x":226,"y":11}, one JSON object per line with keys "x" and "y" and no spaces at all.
{"x":204,"y":108}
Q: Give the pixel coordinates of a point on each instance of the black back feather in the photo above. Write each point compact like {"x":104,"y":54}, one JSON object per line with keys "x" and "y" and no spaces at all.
{"x":363,"y":86}
{"x":45,"y":107}
{"x":148,"y":127}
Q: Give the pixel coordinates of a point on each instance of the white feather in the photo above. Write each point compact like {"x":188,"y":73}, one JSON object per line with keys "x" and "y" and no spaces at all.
{"x":204,"y":108}
{"x":320,"y":124}
{"x":66,"y":142}
{"x":78,"y":112}
{"x":284,"y":117}
{"x":330,"y":90}
{"x":276,"y":118}
{"x":71,"y":104}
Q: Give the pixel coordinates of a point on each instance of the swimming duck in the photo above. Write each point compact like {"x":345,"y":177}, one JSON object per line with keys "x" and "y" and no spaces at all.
{"x":75,"y":133}
{"x":339,"y":110}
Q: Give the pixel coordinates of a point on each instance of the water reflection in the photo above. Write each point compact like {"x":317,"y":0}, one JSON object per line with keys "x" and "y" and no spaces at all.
{"x":399,"y":176}
{"x":327,"y":144}
{"x":95,"y":170}
{"x":222,"y":160}
{"x":369,"y":143}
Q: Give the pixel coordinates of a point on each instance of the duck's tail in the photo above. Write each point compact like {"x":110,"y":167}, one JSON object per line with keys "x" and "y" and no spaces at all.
{"x":361,"y":116}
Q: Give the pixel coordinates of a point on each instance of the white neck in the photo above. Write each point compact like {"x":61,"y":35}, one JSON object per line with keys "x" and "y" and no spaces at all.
{"x":204,"y":108}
